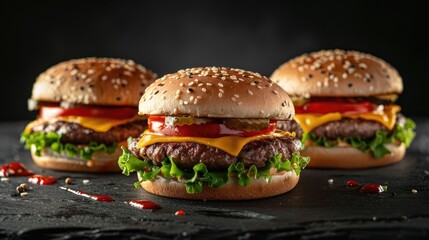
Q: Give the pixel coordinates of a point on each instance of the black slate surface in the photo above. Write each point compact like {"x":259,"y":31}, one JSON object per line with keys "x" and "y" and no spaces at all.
{"x":315,"y":209}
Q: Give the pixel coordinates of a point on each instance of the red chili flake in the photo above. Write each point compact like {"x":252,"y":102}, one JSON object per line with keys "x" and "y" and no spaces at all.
{"x":352,"y":183}
{"x":373,"y":188}
{"x":180,"y":213}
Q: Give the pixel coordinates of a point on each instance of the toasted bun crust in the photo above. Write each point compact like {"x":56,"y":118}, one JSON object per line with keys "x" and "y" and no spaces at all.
{"x":337,"y":73}
{"x":216,"y":92}
{"x":350,"y":157}
{"x":281,"y":183}
{"x":95,"y":81}
{"x":100,"y":162}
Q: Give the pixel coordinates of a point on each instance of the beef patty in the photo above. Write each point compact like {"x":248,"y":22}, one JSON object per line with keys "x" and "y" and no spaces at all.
{"x":188,"y":154}
{"x":77,"y":134}
{"x":345,"y":127}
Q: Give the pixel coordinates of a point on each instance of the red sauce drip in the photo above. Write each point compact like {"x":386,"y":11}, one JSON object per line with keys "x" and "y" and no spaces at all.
{"x":96,"y":197}
{"x":372,"y":188}
{"x":143,"y":204}
{"x":14,"y":169}
{"x":352,"y":183}
{"x":180,"y":213}
{"x":42,"y":180}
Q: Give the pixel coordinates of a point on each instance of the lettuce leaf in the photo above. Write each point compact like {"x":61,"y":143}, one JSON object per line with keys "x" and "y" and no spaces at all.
{"x":200,"y":175}
{"x":52,"y":140}
{"x":376,"y":146}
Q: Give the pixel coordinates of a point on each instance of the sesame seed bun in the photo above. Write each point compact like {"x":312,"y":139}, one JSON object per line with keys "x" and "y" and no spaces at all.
{"x":100,"y":162}
{"x":347,"y":157}
{"x":258,"y":188}
{"x":337,"y":73}
{"x":216,"y":93}
{"x":94,"y":81}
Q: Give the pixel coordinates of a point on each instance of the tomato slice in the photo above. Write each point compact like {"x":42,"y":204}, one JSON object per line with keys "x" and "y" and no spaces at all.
{"x":47,"y":112}
{"x":330,"y":107}
{"x":209,"y":130}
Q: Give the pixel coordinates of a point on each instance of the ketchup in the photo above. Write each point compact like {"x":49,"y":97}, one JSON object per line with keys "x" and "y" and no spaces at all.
{"x":180,"y":213}
{"x":372,"y":188}
{"x":42,"y":180}
{"x":96,"y":197}
{"x":352,"y":183}
{"x":143,"y":204}
{"x":14,"y":169}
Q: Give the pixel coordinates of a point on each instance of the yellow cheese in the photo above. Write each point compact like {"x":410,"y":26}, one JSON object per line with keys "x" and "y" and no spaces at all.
{"x":229,"y":144}
{"x":387,"y":117}
{"x":96,"y":124}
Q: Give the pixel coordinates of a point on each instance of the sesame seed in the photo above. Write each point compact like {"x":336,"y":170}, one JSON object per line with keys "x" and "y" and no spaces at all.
{"x":345,"y":75}
{"x":233,"y":99}
{"x":318,"y":83}
{"x":177,"y":92}
{"x":220,"y":94}
{"x":191,"y":98}
{"x":181,"y":102}
{"x":4,"y":179}
{"x":190,"y":83}
{"x":73,"y":72}
{"x":274,"y":91}
{"x":413,"y":190}
{"x":209,"y":84}
{"x":221,"y":90}
{"x":85,"y":181}
{"x":200,"y":84}
{"x":90,"y":71}
{"x":259,"y":87}
{"x":68,"y":180}
{"x":236,"y":95}
{"x":362,"y":66}
{"x":181,"y":84}
{"x":24,"y":194}
{"x":330,"y":181}
{"x":203,"y":89}
{"x":250,"y":92}
{"x":185,"y":102}
{"x":220,"y":84}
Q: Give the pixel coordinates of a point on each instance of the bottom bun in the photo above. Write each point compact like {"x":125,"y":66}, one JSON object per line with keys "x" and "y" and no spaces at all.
{"x":348,"y":157}
{"x":258,"y":188}
{"x":100,"y":161}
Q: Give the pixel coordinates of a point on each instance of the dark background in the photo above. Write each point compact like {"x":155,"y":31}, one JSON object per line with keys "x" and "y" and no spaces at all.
{"x":169,"y":35}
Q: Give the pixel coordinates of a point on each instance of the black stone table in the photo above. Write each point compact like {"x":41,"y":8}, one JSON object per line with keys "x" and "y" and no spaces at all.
{"x":315,"y":209}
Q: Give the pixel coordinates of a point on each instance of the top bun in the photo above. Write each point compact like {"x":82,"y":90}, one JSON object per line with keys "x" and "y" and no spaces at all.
{"x":216,"y":93}
{"x":337,"y":73}
{"x":94,"y":81}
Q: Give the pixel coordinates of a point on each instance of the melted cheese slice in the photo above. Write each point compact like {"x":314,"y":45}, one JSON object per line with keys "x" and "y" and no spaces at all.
{"x":96,"y":124}
{"x":229,"y":144}
{"x":387,"y":117}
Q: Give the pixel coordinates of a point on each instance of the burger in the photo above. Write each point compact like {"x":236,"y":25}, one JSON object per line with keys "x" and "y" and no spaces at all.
{"x":87,"y":110}
{"x":212,"y":135}
{"x":345,"y":109}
